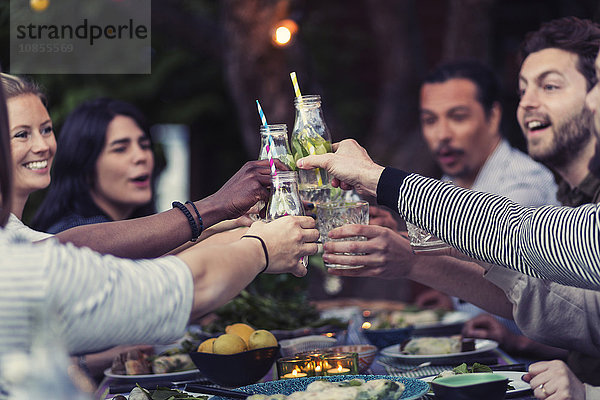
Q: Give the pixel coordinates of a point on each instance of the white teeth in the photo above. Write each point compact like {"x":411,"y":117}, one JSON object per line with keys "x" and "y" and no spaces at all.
{"x":37,"y":164}
{"x":534,"y":124}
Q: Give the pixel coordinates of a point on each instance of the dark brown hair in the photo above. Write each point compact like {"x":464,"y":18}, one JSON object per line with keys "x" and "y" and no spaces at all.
{"x":577,"y":36}
{"x":5,"y":164}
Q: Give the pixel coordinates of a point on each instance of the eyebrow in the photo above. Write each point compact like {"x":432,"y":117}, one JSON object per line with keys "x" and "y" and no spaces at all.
{"x":543,"y":75}
{"x":49,"y":121}
{"x":120,"y":141}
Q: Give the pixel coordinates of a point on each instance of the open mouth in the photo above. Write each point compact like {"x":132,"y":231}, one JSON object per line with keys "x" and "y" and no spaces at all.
{"x":36,"y":165}
{"x":537,"y":125}
{"x":141,"y":179}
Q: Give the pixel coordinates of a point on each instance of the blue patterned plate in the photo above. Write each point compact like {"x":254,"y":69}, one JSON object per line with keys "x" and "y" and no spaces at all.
{"x":414,"y":388}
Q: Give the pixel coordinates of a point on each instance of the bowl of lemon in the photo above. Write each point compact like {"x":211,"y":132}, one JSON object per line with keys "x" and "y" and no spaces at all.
{"x":239,"y":357}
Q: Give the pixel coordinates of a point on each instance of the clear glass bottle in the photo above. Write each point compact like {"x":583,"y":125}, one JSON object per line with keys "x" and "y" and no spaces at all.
{"x":311,"y":136}
{"x":285,"y":198}
{"x":280,"y":147}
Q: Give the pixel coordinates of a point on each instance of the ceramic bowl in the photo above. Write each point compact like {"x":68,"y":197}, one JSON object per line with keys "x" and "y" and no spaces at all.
{"x":387,"y":337}
{"x":366,"y":354}
{"x":488,"y":386}
{"x":234,"y":370}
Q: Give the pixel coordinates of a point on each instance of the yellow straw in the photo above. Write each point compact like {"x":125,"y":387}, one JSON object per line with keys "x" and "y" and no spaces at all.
{"x":311,"y":148}
{"x":295,"y":83}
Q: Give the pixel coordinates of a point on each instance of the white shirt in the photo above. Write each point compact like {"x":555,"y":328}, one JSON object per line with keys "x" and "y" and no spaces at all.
{"x":100,"y":301}
{"x":15,"y":225}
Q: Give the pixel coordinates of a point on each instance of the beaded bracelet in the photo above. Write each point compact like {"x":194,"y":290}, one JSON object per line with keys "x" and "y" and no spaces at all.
{"x":264,"y":246}
{"x":190,"y":218}
{"x":200,"y":222}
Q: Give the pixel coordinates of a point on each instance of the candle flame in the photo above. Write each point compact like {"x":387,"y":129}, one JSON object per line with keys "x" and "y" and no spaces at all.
{"x":318,"y":368}
{"x":366,"y":325}
{"x":296,"y":371}
{"x":339,"y":368}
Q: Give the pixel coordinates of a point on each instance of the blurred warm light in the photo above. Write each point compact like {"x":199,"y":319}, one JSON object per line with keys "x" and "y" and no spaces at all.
{"x":366,"y":313}
{"x":366,"y":325}
{"x":330,"y":334}
{"x":283,"y":32}
{"x":39,"y":5}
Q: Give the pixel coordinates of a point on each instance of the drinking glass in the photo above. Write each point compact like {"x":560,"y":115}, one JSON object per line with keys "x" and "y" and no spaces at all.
{"x":285,"y":199}
{"x":423,"y":241}
{"x":334,"y":215}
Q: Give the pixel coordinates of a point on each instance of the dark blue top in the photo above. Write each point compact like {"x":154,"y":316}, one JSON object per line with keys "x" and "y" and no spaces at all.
{"x":73,"y":220}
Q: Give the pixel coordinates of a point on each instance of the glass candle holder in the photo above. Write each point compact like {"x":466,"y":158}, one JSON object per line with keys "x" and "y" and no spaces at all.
{"x":295,"y":367}
{"x":316,"y":357}
{"x":340,"y":364}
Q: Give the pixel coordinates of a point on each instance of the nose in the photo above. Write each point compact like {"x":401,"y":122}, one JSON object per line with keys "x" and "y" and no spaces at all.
{"x":141,"y":155}
{"x":444,"y":131}
{"x":39,"y":143}
{"x":529,"y":99}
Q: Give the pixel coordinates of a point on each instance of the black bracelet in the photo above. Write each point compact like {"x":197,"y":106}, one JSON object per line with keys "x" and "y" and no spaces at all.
{"x":190,"y":218}
{"x":264,"y":246}
{"x":201,"y":227}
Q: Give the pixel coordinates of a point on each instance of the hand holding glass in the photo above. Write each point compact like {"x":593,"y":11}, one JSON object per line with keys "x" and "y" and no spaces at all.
{"x":334,"y":215}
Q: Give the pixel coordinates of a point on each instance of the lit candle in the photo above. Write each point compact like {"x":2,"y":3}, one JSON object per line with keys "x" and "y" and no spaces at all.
{"x":338,"y":370}
{"x":294,"y":374}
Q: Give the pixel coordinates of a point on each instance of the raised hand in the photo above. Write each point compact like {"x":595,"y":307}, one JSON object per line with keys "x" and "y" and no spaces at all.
{"x":350,"y":165}
{"x":244,"y":189}
{"x":385,"y":254}
{"x":288,"y":239}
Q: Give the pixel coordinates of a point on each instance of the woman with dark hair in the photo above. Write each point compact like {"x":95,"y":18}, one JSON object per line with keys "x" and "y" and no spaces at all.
{"x":103,"y":168}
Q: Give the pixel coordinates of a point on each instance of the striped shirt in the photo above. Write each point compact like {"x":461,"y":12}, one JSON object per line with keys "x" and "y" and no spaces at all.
{"x":98,"y":301}
{"x":513,"y":174}
{"x":561,"y":244}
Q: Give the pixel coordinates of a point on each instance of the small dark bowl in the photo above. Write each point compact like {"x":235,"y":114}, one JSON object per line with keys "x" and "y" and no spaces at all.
{"x":475,"y":386}
{"x":234,"y":370}
{"x":387,"y":337}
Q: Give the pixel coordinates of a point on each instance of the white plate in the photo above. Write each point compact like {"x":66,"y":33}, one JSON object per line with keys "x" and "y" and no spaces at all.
{"x":181,"y":375}
{"x":481,"y":346}
{"x":514,"y":378}
{"x":449,"y":319}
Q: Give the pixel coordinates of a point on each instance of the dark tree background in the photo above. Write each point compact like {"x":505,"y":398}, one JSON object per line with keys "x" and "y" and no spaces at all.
{"x":212,"y":59}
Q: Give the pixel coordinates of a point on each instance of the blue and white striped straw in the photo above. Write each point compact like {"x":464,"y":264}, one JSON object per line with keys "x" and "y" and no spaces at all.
{"x":270,"y":143}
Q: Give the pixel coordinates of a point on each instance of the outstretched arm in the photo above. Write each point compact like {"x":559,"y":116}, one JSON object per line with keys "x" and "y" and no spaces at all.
{"x":158,"y":234}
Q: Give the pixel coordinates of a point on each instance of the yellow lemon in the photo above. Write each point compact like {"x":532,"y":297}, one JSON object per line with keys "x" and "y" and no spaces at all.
{"x":39,"y":5}
{"x":206,"y":346}
{"x":242,"y":330}
{"x":229,"y":343}
{"x":261,"y":338}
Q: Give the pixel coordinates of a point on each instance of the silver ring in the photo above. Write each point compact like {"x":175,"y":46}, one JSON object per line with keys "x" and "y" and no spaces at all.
{"x":543,"y":389}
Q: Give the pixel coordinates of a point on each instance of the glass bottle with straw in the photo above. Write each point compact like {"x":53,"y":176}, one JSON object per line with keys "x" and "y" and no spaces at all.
{"x":311,"y":136}
{"x":285,"y":199}
{"x":275,"y":137}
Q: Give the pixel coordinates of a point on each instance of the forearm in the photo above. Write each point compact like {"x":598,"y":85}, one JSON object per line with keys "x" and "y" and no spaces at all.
{"x":462,"y":279}
{"x":220,"y":272}
{"x":497,"y":230}
{"x":146,"y":237}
